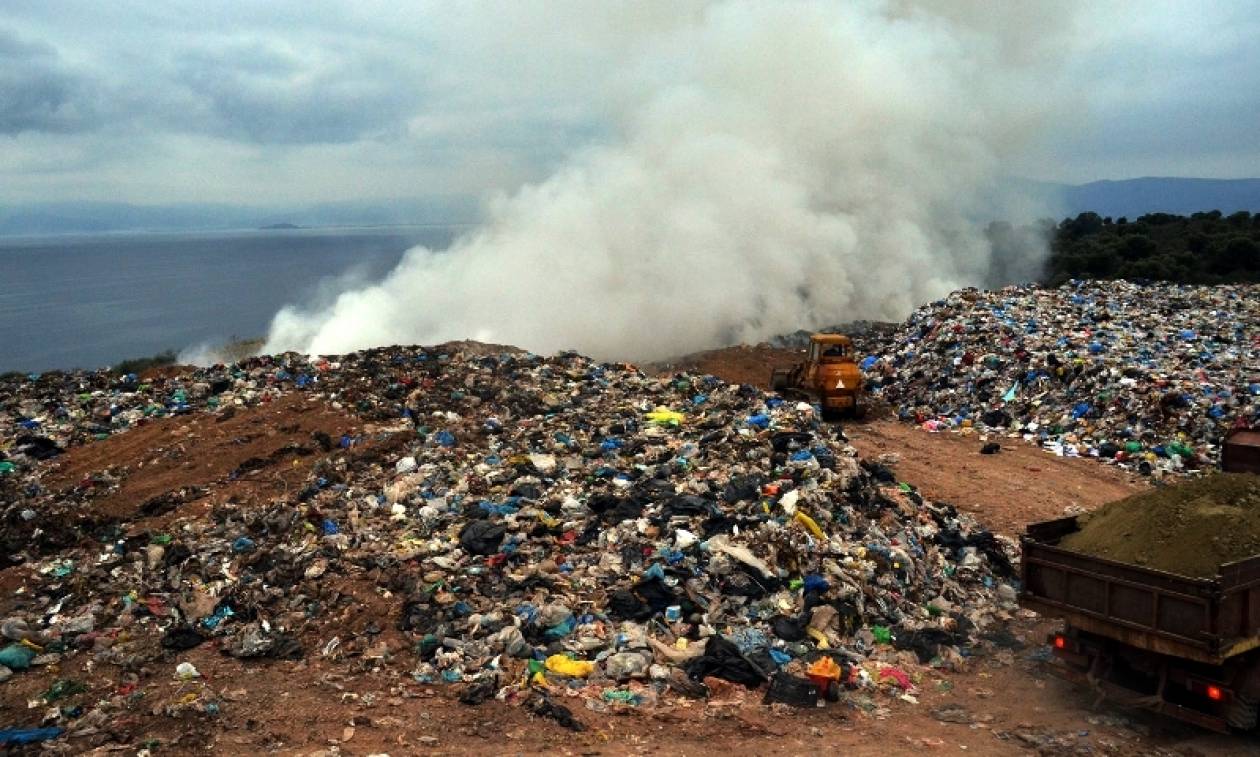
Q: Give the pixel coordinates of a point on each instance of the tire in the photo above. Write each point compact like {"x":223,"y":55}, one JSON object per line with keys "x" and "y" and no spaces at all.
{"x":1242,"y":712}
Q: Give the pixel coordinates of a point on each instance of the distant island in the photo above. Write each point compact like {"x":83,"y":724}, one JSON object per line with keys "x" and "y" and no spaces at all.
{"x":275,"y":226}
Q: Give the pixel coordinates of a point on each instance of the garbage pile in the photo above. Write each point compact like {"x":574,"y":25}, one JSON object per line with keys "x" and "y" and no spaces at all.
{"x":1191,"y":528}
{"x":1148,"y":376}
{"x":539,"y":530}
{"x":863,"y":334}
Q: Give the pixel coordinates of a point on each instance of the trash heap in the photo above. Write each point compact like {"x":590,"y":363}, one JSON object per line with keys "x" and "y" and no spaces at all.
{"x":1148,"y":376}
{"x":537,"y":530}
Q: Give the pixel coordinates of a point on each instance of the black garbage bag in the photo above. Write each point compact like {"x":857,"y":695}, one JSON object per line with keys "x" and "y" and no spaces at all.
{"x":482,"y":537}
{"x":790,"y":441}
{"x":654,"y":489}
{"x":742,"y":488}
{"x":38,"y":447}
{"x":179,"y":638}
{"x":789,"y":629}
{"x":686,"y":505}
{"x":655,"y":593}
{"x":624,"y":604}
{"x":880,"y":472}
{"x":792,"y":690}
{"x":992,"y":448}
{"x":748,"y":582}
{"x":987,"y":544}
{"x":926,"y":643}
{"x":722,"y":659}
{"x":544,"y":706}
{"x":613,"y":510}
{"x":996,"y":419}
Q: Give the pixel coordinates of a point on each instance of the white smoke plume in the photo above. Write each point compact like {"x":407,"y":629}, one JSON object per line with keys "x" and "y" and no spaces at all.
{"x":773,"y":166}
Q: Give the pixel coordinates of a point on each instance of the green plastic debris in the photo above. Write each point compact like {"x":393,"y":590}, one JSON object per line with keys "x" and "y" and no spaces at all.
{"x":622,"y":696}
{"x":17,"y":656}
{"x":429,"y":644}
{"x":162,"y":539}
{"x":6,"y":467}
{"x":1177,"y":448}
{"x":882,"y":634}
{"x":62,"y":688}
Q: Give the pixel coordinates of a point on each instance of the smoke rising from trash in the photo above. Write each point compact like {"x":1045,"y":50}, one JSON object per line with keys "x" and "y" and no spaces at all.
{"x":770,"y":167}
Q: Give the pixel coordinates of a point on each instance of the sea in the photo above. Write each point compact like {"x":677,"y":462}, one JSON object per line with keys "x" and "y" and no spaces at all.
{"x":91,"y":301}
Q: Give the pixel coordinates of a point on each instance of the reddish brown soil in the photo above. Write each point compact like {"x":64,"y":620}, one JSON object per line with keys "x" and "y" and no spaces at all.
{"x":270,"y":448}
{"x":742,"y":364}
{"x":1006,"y":491}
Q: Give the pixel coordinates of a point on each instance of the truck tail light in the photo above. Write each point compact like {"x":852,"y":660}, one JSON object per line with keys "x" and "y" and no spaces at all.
{"x":1211,"y":691}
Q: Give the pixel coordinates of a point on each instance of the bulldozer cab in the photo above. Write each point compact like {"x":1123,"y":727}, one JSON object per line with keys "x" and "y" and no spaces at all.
{"x":830,"y":348}
{"x":829,"y":376}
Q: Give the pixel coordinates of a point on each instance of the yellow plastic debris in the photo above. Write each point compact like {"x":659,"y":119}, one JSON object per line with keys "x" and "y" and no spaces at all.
{"x":567,"y":666}
{"x":663,"y":416}
{"x":810,"y":524}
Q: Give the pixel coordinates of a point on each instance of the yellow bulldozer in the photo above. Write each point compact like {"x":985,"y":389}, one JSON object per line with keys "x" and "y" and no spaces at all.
{"x":829,"y":376}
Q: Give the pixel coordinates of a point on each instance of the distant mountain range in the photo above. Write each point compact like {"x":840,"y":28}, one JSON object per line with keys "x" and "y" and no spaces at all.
{"x":1131,"y":198}
{"x":106,"y":217}
{"x":1135,"y":197}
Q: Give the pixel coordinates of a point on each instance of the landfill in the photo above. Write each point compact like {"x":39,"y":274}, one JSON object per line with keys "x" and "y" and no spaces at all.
{"x":1147,"y":376}
{"x":550,"y":532}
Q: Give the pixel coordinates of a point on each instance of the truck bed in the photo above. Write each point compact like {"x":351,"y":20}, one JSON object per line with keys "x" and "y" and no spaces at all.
{"x":1240,"y":451}
{"x":1203,"y":619}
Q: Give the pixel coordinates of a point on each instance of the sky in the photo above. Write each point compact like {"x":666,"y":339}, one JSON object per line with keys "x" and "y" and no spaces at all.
{"x":266,"y":103}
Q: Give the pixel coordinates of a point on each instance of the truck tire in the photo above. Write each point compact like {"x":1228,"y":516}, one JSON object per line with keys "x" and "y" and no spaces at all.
{"x":1242,"y":712}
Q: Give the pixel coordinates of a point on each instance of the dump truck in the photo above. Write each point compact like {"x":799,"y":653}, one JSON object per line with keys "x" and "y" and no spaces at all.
{"x":1240,"y":451}
{"x":829,"y":376}
{"x":1186,"y":647}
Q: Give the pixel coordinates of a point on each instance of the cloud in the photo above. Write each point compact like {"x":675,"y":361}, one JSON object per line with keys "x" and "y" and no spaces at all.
{"x":329,"y":100}
{"x":266,"y":91}
{"x":38,"y":93}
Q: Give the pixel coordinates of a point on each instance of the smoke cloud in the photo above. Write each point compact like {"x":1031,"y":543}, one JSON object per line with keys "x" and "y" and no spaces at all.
{"x":770,"y":167}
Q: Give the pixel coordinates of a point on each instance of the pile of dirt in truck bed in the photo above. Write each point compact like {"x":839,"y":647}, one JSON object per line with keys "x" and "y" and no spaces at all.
{"x":1190,"y":529}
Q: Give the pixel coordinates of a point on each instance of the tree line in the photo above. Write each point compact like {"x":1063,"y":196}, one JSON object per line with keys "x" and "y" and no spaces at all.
{"x":1202,"y":248}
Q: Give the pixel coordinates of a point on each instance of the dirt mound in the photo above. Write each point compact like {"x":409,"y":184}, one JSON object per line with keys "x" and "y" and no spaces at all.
{"x":741,"y":364}
{"x":1190,"y":529}
{"x":1005,"y":492}
{"x":156,"y":466}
